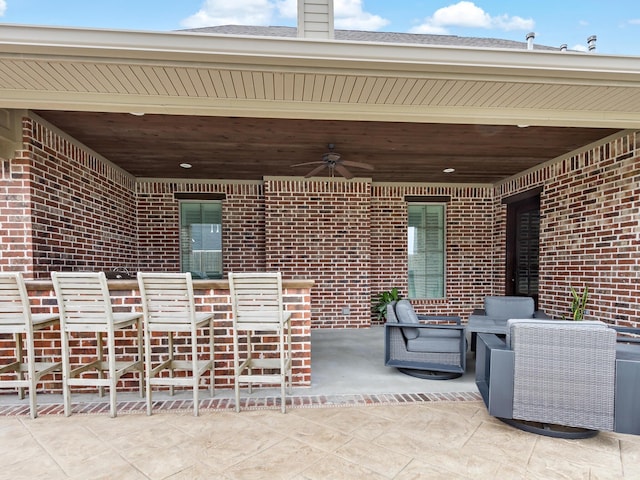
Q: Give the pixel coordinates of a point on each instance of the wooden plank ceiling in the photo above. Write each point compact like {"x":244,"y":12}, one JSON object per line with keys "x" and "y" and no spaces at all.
{"x":250,"y":148}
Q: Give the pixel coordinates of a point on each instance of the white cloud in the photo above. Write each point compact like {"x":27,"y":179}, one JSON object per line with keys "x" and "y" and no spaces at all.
{"x":287,"y":8}
{"x":236,"y":12}
{"x":468,"y":14}
{"x":348,"y":14}
{"x":505,"y":22}
{"x":3,"y":7}
{"x":635,"y":21}
{"x":580,"y":48}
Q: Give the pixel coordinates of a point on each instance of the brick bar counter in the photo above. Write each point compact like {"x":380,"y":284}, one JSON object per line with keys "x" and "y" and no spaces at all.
{"x":210,"y":295}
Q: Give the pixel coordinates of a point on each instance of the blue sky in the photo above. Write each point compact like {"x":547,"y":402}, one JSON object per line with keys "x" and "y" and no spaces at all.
{"x":616,"y":24}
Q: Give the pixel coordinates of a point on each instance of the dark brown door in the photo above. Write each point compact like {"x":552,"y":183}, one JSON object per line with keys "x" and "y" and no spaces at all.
{"x":523,"y":247}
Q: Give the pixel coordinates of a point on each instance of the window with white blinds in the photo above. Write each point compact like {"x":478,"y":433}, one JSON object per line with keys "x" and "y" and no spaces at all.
{"x":426,"y":247}
{"x":201,"y":239}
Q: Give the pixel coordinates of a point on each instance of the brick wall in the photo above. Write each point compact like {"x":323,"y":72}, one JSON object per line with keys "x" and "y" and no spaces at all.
{"x":320,"y":229}
{"x":348,"y":236}
{"x":82,"y":207}
{"x":243,"y":234}
{"x":469,"y":244}
{"x":16,"y":228}
{"x":590,"y":229}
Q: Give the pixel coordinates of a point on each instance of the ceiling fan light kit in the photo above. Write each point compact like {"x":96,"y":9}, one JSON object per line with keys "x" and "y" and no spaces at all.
{"x":334,"y":162}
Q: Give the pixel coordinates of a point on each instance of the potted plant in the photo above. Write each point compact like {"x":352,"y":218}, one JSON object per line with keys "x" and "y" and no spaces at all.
{"x":382,"y":300}
{"x":578,"y":303}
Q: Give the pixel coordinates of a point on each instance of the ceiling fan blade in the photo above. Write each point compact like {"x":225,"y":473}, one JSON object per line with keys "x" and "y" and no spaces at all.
{"x":316,"y":170}
{"x":305,"y":163}
{"x":343,"y":171}
{"x":357,"y":164}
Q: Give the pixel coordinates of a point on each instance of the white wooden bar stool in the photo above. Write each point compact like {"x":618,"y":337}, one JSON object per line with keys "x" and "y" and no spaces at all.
{"x":257,"y":306}
{"x":169,"y":307}
{"x":16,"y":318}
{"x":85,"y":307}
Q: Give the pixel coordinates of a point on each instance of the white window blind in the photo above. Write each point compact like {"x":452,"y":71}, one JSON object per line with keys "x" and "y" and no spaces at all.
{"x":426,"y":248}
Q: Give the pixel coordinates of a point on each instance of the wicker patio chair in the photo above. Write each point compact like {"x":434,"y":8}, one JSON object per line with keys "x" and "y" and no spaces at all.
{"x":431,"y":347}
{"x":551,"y":377}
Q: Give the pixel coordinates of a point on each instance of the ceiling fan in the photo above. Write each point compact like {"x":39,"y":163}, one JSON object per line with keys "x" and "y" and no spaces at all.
{"x":334,"y":162}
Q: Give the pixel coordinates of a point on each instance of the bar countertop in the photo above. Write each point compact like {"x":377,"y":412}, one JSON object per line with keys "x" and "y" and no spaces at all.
{"x":132,"y":284}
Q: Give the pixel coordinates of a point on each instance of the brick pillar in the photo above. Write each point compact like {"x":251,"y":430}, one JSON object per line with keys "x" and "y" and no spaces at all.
{"x":320,"y":230}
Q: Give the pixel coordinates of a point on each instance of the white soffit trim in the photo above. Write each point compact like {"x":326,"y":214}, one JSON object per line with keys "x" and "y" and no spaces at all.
{"x":205,"y":74}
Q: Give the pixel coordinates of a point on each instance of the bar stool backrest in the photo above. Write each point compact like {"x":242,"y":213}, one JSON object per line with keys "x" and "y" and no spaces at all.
{"x":83,"y":301}
{"x":168,"y":301}
{"x":15,"y":313}
{"x":256,"y":298}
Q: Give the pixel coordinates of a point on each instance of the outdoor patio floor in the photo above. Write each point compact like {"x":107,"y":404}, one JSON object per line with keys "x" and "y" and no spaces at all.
{"x":359,"y":419}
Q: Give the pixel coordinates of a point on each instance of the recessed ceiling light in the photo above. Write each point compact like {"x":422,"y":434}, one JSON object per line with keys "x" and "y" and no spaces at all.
{"x":137,"y":114}
{"x":523,"y":126}
{"x":186,"y":165}
{"x":449,"y":170}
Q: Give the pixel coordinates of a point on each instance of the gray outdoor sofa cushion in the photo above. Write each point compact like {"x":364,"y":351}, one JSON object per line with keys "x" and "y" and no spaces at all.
{"x":504,"y":308}
{"x":497,"y":310}
{"x":434,"y":344}
{"x":405,"y":313}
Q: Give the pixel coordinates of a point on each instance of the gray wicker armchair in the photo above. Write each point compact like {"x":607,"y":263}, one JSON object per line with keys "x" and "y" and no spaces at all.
{"x":552,"y":377}
{"x":432,"y":347}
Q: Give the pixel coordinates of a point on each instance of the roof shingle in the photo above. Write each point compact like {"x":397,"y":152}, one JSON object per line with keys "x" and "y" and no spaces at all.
{"x":374,"y":37}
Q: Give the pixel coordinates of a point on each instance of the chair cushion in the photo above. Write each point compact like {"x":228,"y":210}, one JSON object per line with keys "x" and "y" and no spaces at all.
{"x":406,"y":314}
{"x":439,"y":333}
{"x":391,"y":312}
{"x":504,"y":308}
{"x":434,"y":345}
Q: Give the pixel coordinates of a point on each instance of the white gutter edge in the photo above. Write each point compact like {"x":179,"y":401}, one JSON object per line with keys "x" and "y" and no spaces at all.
{"x":189,"y":46}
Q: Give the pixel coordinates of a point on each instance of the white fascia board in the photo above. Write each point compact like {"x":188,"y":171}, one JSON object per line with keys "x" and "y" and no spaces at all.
{"x":302,"y":53}
{"x":323,"y":111}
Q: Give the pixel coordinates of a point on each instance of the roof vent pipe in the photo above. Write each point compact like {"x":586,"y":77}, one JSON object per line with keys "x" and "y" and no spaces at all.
{"x":591,"y":41}
{"x":563,"y":47}
{"x":315,"y":19}
{"x":530,"y":37}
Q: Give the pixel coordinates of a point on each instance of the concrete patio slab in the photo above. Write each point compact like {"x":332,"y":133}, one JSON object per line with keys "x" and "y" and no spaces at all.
{"x":368,"y":422}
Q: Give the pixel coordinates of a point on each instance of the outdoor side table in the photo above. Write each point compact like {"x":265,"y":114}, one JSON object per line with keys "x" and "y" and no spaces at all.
{"x":485,"y":325}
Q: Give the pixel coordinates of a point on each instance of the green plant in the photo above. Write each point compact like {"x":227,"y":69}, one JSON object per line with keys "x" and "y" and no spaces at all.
{"x":382,"y":300}
{"x":578,"y":303}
